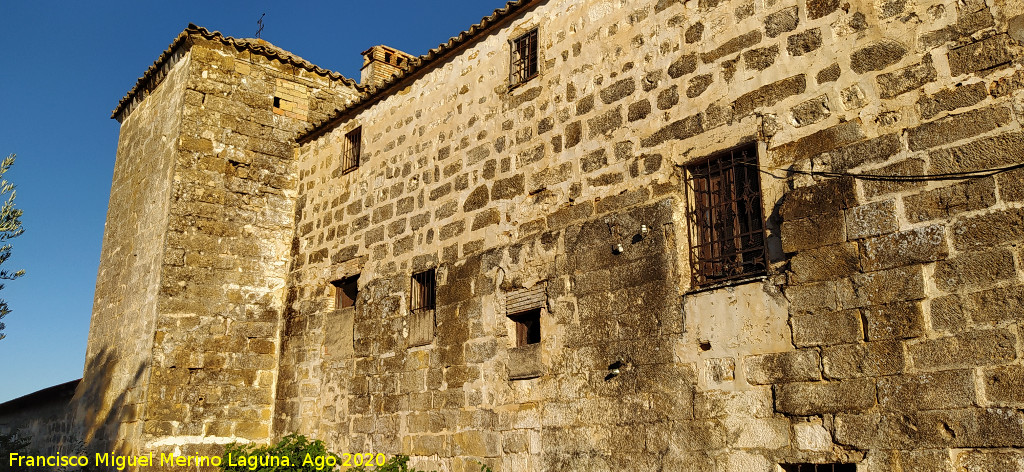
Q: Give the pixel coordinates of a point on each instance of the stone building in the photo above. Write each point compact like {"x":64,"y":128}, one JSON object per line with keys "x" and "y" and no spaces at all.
{"x":582,"y":235}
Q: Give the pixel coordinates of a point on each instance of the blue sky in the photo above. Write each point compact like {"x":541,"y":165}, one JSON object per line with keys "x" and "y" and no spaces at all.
{"x":66,"y":66}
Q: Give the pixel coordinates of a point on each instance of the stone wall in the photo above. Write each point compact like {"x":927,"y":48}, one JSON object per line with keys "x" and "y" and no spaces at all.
{"x":886,"y":332}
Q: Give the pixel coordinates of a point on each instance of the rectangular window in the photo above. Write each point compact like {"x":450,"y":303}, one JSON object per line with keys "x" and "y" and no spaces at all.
{"x":527,"y":327}
{"x":423,"y":291}
{"x":819,"y":467}
{"x":350,"y":155}
{"x":524,"y":58}
{"x":726,"y":225}
{"x":345,"y":291}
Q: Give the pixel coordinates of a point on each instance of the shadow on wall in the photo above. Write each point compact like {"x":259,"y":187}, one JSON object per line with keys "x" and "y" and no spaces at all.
{"x":108,"y":421}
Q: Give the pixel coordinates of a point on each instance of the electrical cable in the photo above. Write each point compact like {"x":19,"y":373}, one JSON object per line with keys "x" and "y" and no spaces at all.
{"x":893,"y":178}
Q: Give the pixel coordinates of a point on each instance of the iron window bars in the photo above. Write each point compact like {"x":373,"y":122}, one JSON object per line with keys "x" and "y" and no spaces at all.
{"x":524,"y":58}
{"x":350,"y":155}
{"x":422,"y":291}
{"x":725,"y":221}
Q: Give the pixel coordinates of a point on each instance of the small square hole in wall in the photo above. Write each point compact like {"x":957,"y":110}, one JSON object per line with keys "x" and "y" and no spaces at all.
{"x":527,"y":327}
{"x":345,"y":291}
{"x":277,"y":102}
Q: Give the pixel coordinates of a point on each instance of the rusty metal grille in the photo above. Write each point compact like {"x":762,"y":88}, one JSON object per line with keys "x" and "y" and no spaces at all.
{"x":726,"y":226}
{"x":524,"y":57}
{"x":350,"y":155}
{"x":836,"y":467}
{"x":423,"y":291}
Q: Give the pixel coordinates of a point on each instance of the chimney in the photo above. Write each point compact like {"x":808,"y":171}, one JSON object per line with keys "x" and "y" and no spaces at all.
{"x":381,"y":63}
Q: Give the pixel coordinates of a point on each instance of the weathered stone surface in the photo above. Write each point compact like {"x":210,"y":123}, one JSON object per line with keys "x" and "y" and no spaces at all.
{"x":668,"y":98}
{"x":903,"y":80}
{"x":813,"y":231}
{"x":988,"y":230}
{"x":638,"y":110}
{"x":605,"y":123}
{"x":681,"y":129}
{"x":815,"y":398}
{"x":730,"y":47}
{"x":919,"y":245}
{"x":828,"y":195}
{"x":814,"y":297}
{"x":829,"y":74}
{"x":694,"y":33}
{"x":873,"y":219}
{"x":1011,"y":185}
{"x":927,"y":391}
{"x":952,"y":99}
{"x":781,"y":21}
{"x":877,"y":56}
{"x":825,"y":329}
{"x":975,"y":270}
{"x":761,"y":58}
{"x":817,"y":143}
{"x":894,"y":321}
{"x":984,"y":460}
{"x":819,"y":8}
{"x":907,"y":168}
{"x":997,"y":304}
{"x":1005,"y":385}
{"x":947,"y":314}
{"x":684,"y":65}
{"x":825,"y":263}
{"x":811,"y":111}
{"x":698,"y":85}
{"x":795,"y":366}
{"x":769,"y":95}
{"x":863,"y":360}
{"x":505,"y":189}
{"x":957,"y":127}
{"x":985,"y":54}
{"x":803,"y":43}
{"x":980,"y":154}
{"x":967,"y":349}
{"x":950,"y":201}
{"x":885,"y":286}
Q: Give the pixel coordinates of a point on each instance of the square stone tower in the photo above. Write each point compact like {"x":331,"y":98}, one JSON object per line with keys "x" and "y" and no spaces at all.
{"x":185,"y":328}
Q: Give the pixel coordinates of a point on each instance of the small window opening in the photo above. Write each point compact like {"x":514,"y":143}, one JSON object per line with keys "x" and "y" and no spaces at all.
{"x":726,"y":223}
{"x":423,"y":291}
{"x":398,"y":61}
{"x":387,"y":57}
{"x":527,"y":327}
{"x":834,"y":467}
{"x":524,"y":58}
{"x":345,"y":291}
{"x":350,"y":155}
{"x":277,"y":102}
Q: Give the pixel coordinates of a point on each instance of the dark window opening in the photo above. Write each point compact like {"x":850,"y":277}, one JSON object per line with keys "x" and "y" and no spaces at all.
{"x":836,"y":467}
{"x":350,"y":155}
{"x":726,"y":224}
{"x":527,"y":327}
{"x":387,"y":57}
{"x":345,"y":291}
{"x":277,"y":102}
{"x":423,"y":291}
{"x":524,"y":57}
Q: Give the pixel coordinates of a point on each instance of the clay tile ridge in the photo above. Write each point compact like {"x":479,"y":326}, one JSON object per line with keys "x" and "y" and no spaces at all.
{"x":156,"y":72}
{"x":417,"y":67}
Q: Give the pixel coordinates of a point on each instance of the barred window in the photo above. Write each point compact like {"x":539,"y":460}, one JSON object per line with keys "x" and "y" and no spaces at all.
{"x":423,"y":291}
{"x":350,"y":155}
{"x":726,"y":225}
{"x":524,"y":58}
{"x":345,"y":291}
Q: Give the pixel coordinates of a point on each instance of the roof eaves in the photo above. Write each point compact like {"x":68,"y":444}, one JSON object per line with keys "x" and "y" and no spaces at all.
{"x":158,"y":70}
{"x":417,"y":67}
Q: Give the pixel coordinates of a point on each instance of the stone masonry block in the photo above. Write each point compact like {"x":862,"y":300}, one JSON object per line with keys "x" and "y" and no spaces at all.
{"x":782,"y":21}
{"x":997,"y":304}
{"x":822,"y":197}
{"x":897,"y":320}
{"x":873,"y":150}
{"x":946,"y":202}
{"x":812,"y":232}
{"x":817,"y":143}
{"x":948,"y":314}
{"x":967,"y":349}
{"x":863,"y":360}
{"x":979,"y":154}
{"x":825,"y":263}
{"x":877,"y":56}
{"x":911,"y":166}
{"x":815,"y":398}
{"x":732,"y":46}
{"x":980,"y":460}
{"x":903,"y":80}
{"x":957,"y":127}
{"x":985,"y":54}
{"x":754,"y":403}
{"x":769,"y":95}
{"x":1011,"y":185}
{"x":879,"y":288}
{"x":1005,"y":385}
{"x":794,"y":366}
{"x":952,"y":99}
{"x":914,"y":246}
{"x":873,"y":219}
{"x":927,"y":391}
{"x":813,"y":298}
{"x":825,"y":329}
{"x":975,"y":270}
{"x":991,"y":229}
